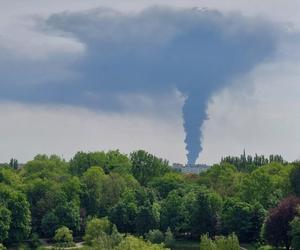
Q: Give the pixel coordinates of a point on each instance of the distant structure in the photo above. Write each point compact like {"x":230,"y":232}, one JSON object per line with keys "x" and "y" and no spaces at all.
{"x":190,"y":168}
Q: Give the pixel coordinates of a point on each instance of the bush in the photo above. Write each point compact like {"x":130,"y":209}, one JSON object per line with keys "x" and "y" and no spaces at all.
{"x":155,"y":236}
{"x":169,"y":238}
{"x":206,"y":243}
{"x":63,"y":237}
{"x":230,"y":242}
{"x":96,"y":229}
{"x":34,"y":241}
{"x":2,"y":247}
{"x":102,"y":234}
{"x":134,"y":243}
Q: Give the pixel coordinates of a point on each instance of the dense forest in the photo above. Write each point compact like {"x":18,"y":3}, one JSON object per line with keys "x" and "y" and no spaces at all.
{"x":109,"y":200}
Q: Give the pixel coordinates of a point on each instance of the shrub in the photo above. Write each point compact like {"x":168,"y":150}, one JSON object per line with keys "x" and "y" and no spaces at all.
{"x":155,"y":236}
{"x":134,"y":243}
{"x":230,"y":242}
{"x":169,"y":238}
{"x":96,"y":229}
{"x":63,"y":237}
{"x":206,"y":243}
{"x":102,"y":234}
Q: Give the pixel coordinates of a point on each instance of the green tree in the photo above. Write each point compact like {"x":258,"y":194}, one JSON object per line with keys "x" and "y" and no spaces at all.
{"x":93,"y":190}
{"x":230,"y":242}
{"x":204,"y":213}
{"x":168,"y":182}
{"x":5,"y":221}
{"x":155,"y":236}
{"x":146,"y":166}
{"x":63,"y":236}
{"x":169,"y":238}
{"x":44,"y":196}
{"x":174,"y":213}
{"x":50,"y":224}
{"x":206,"y":243}
{"x":223,"y":179}
{"x":96,"y":228}
{"x":117,"y":162}
{"x":13,"y":163}
{"x":295,"y":232}
{"x":68,"y":214}
{"x":45,"y":167}
{"x":266,"y":185}
{"x":242,"y":218}
{"x":16,"y":202}
{"x":220,"y":243}
{"x":294,"y":178}
{"x":10,"y":177}
{"x":81,"y":162}
{"x":136,"y":212}
{"x":146,"y":219}
{"x":102,"y":234}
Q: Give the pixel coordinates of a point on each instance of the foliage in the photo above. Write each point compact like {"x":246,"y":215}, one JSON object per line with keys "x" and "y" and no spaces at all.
{"x":204,"y":212}
{"x":230,"y":242}
{"x":169,"y":238}
{"x":155,"y":236}
{"x":133,"y":243}
{"x":294,"y":178}
{"x":146,"y":166}
{"x":248,"y":163}
{"x":96,"y":228}
{"x":242,"y":218}
{"x":142,"y":196}
{"x":16,"y":202}
{"x":102,"y":234}
{"x":220,"y":243}
{"x":110,"y":161}
{"x":5,"y":220}
{"x":63,"y":236}
{"x":174,"y":213}
{"x":168,"y":182}
{"x":294,"y":232}
{"x":266,"y":185}
{"x":277,"y":225}
{"x":136,"y":212}
{"x":224,"y":179}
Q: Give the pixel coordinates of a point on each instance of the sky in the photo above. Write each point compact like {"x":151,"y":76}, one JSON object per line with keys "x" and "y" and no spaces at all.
{"x":101,"y":75}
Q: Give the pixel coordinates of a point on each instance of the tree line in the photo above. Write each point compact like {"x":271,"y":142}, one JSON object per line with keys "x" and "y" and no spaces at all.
{"x":112,"y":200}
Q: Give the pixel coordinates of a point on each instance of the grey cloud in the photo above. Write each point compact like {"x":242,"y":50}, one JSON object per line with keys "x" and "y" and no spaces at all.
{"x":153,"y":52}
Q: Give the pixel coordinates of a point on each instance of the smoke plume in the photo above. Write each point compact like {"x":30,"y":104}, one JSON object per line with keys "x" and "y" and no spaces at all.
{"x":152,"y":52}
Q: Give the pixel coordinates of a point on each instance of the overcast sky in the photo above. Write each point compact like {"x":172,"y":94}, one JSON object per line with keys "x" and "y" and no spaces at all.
{"x":48,"y":103}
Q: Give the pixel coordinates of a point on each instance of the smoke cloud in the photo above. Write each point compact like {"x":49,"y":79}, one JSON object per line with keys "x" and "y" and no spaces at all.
{"x":153,"y":52}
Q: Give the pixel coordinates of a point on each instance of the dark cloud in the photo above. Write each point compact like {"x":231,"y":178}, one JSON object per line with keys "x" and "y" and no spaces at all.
{"x":152,"y":52}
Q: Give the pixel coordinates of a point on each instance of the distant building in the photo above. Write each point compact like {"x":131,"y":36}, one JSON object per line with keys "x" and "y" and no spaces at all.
{"x":190,"y":168}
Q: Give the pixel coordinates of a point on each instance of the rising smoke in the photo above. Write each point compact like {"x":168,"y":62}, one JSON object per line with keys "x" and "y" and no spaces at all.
{"x":153,"y":52}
